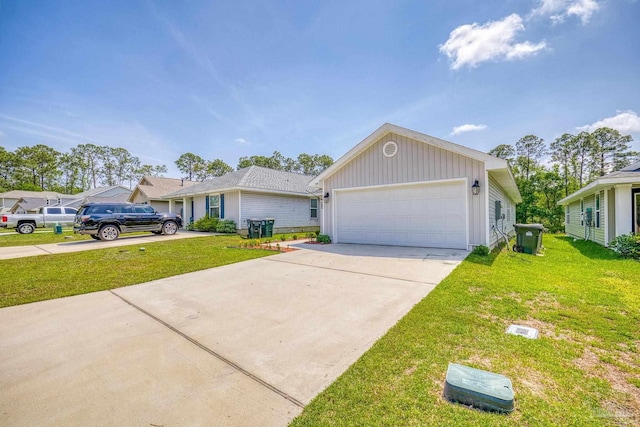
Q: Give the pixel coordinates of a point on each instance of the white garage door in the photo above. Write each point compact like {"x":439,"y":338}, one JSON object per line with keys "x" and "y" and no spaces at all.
{"x":426,"y":215}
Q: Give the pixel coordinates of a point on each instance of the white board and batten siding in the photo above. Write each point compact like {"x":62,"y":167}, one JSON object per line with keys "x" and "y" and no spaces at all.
{"x":508,"y":208}
{"x":288,"y":211}
{"x":576,"y":225}
{"x":414,"y":163}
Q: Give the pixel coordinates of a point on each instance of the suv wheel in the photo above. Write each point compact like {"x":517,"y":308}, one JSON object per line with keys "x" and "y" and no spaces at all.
{"x":26,"y":228}
{"x":108,"y":232}
{"x":169,"y":228}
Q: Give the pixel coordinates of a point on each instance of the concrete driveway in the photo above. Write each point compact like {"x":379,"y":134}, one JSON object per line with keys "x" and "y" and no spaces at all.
{"x":244,"y":344}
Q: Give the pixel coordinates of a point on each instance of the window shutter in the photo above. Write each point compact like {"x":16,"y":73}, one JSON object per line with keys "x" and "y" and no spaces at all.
{"x":206,"y":203}
{"x":222,"y":206}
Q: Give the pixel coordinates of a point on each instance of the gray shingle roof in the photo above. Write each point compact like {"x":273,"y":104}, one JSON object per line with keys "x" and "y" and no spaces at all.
{"x":254,"y":178}
{"x":159,"y":186}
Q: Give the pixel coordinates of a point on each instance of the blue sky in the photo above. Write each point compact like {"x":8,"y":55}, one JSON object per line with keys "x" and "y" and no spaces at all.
{"x":225,"y":79}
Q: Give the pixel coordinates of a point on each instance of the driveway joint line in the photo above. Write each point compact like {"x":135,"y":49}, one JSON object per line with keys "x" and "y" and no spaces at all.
{"x":213,"y":353}
{"x":348,"y":271}
{"x":43,"y":249}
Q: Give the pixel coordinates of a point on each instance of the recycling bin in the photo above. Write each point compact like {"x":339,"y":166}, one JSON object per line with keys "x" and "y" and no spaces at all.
{"x":267,"y":227}
{"x":57,"y":229}
{"x":253,"y":228}
{"x":528,"y":238}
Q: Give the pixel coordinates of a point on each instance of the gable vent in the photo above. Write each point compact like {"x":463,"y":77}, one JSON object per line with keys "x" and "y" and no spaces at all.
{"x":390,"y":149}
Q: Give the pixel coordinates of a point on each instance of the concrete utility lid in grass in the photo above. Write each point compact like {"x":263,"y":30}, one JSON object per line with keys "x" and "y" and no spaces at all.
{"x":480,"y":389}
{"x":523,"y":331}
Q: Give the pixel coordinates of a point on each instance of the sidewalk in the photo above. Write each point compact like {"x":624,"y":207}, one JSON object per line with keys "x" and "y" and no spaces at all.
{"x":88,"y":245}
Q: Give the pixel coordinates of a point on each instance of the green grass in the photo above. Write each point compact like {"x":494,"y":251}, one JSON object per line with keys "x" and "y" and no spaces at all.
{"x":583,"y":370}
{"x":39,"y":237}
{"x":46,"y":277}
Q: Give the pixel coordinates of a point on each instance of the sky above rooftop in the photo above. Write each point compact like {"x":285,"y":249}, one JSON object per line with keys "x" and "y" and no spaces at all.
{"x":225,"y":79}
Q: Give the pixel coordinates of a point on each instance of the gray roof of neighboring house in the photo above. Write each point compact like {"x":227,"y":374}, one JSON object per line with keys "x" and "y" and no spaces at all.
{"x":253,"y":178}
{"x":99,"y":190}
{"x":17,"y":194}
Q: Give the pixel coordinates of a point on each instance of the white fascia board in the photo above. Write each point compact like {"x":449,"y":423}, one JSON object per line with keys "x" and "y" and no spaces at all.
{"x":597,"y":185}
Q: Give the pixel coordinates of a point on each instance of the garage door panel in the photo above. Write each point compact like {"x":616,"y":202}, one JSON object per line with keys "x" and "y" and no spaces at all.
{"x":417,"y":215}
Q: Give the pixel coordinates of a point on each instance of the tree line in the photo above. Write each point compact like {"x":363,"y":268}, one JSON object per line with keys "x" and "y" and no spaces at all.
{"x":42,"y":168}
{"x":547,"y":174}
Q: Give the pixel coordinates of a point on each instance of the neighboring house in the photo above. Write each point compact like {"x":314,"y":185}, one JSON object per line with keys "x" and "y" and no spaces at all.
{"x":32,"y":201}
{"x":254,"y":192}
{"x":404,"y":188}
{"x":606,"y":208}
{"x":22,"y":201}
{"x":150,"y":190}
{"x":114,"y":193}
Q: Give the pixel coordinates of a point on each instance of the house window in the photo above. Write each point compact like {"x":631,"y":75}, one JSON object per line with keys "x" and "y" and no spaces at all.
{"x":567,"y":215}
{"x":314,"y":208}
{"x":581,"y":212}
{"x":598,"y":210}
{"x":214,"y":206}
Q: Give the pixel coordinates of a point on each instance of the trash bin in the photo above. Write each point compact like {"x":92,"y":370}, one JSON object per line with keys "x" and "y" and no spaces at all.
{"x":528,"y":238}
{"x":267,"y":227}
{"x":253,"y":227}
{"x":57,"y":229}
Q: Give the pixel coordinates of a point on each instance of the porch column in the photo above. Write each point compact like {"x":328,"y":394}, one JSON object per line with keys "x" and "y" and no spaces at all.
{"x":185,"y":211}
{"x":623,"y":209}
{"x":171,"y":205}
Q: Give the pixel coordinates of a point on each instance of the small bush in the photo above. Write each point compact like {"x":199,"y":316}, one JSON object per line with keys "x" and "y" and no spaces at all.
{"x":323,"y":238}
{"x":481,"y":250}
{"x":283,"y":237}
{"x":206,"y":224}
{"x":226,"y":226}
{"x":295,"y":237}
{"x":627,"y":245}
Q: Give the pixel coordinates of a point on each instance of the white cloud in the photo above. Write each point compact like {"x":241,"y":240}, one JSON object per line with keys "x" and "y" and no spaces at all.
{"x":472,"y":44}
{"x":559,"y":10}
{"x":625,"y":122}
{"x":242,"y":141}
{"x":467,"y":128}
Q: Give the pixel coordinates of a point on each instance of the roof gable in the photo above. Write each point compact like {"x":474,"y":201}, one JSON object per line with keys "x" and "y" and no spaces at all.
{"x":499,"y":167}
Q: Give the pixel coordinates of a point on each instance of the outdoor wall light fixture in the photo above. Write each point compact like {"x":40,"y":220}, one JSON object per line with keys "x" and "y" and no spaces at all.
{"x":326,"y":196}
{"x":475,"y":188}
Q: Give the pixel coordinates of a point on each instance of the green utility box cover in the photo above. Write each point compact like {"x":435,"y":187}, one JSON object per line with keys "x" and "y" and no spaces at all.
{"x":57,"y":229}
{"x":478,"y":388}
{"x":528,"y":238}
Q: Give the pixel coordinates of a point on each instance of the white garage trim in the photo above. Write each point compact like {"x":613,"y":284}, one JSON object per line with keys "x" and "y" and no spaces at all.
{"x":463,"y":197}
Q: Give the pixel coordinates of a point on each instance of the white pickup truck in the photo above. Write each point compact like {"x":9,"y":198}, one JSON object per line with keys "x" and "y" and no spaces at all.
{"x":46,"y":217}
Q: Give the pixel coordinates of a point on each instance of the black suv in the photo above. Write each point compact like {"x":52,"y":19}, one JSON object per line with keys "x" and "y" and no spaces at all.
{"x":105,"y":221}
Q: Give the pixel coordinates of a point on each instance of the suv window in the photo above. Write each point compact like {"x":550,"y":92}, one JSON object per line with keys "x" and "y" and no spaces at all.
{"x":143,"y":209}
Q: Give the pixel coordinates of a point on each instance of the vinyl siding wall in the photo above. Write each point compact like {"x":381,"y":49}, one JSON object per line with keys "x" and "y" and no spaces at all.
{"x":288,"y":211}
{"x":579,"y":230}
{"x":508,"y":209}
{"x":414,"y":162}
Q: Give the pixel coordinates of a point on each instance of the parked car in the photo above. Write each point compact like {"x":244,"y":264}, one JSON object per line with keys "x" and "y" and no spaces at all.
{"x":46,"y":217}
{"x":106,"y":221}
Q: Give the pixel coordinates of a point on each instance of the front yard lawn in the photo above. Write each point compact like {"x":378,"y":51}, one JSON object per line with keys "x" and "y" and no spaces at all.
{"x":39,"y":278}
{"x":40,"y":237}
{"x":583,"y":370}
